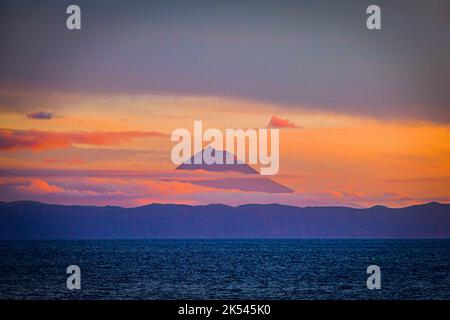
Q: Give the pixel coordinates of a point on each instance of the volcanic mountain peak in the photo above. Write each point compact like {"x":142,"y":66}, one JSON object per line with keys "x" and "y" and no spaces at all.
{"x":229,"y":162}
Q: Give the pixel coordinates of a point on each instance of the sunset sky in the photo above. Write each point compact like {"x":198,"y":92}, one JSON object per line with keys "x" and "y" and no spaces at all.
{"x":86,"y":116}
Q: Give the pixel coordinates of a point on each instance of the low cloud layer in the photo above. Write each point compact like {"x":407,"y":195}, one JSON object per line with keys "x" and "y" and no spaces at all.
{"x":141,"y":191}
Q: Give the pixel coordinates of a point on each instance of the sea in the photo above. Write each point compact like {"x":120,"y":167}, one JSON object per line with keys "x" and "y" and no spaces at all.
{"x":225,"y":269}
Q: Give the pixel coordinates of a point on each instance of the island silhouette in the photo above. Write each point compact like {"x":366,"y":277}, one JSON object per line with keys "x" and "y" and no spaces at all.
{"x":34,"y":220}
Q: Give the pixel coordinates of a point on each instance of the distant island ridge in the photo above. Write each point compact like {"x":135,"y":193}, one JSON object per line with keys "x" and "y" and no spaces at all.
{"x":35,"y":220}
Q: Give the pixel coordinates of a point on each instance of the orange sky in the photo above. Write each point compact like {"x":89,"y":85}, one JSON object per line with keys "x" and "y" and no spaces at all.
{"x":119,"y":146}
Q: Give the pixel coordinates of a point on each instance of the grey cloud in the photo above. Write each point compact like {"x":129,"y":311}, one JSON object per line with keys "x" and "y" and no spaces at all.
{"x":40,"y":115}
{"x":312,"y":54}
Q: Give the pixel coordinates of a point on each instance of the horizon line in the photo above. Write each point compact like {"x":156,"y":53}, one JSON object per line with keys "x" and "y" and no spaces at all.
{"x":222,"y":204}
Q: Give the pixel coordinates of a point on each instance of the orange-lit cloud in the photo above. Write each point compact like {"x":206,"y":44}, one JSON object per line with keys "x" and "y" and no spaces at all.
{"x":276,"y":122}
{"x":38,"y":186}
{"x":39,"y":140}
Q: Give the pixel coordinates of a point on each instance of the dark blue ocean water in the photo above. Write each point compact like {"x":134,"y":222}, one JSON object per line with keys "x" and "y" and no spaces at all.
{"x":225,"y":269}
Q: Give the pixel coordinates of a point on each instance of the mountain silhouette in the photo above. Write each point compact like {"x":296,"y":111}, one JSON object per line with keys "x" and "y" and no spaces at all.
{"x":34,"y":220}
{"x":229,"y":162}
{"x":255,"y":183}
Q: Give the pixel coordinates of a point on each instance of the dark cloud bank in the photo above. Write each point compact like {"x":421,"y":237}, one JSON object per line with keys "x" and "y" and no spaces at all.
{"x":315,"y":54}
